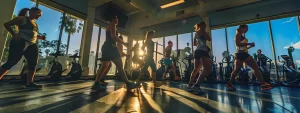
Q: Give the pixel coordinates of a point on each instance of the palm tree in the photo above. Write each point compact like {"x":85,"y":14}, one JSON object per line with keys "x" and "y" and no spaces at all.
{"x":71,"y":27}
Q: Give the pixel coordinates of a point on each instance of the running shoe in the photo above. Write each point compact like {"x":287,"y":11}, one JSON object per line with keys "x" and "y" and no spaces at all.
{"x":98,"y":86}
{"x":197,"y":89}
{"x":103,"y":83}
{"x":230,"y":87}
{"x":158,"y":84}
{"x":33,"y":85}
{"x":189,"y":88}
{"x":266,"y":86}
{"x":132,"y":85}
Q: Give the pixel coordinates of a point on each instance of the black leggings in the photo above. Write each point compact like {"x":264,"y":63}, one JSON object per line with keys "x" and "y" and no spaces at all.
{"x":17,"y":49}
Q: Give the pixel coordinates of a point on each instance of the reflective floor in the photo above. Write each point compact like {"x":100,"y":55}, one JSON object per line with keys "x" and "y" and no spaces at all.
{"x":76,"y":97}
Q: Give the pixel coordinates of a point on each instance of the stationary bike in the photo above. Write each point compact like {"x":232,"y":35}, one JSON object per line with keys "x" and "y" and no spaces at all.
{"x":188,"y":67}
{"x":56,"y":71}
{"x":76,"y":69}
{"x":262,"y":65}
{"x":292,"y":76}
{"x":175,"y":61}
{"x":225,"y":73}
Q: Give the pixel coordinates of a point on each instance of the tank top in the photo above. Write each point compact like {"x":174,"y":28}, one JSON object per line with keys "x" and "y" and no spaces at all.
{"x":150,"y":48}
{"x":109,"y":40}
{"x":243,"y":48}
{"x":201,"y":43}
{"x":28,"y":31}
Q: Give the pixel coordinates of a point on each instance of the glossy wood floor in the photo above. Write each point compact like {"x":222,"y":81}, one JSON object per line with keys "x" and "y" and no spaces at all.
{"x":76,"y":97}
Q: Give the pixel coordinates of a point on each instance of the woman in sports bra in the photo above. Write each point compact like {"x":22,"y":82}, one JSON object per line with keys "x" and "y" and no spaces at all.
{"x":242,"y":56}
{"x":24,"y":44}
{"x":110,"y":53}
{"x":202,"y":57}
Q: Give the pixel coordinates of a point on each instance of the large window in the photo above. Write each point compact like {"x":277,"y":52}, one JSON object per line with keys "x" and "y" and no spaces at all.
{"x":185,"y":47}
{"x":218,"y":43}
{"x":285,"y":34}
{"x":259,"y":34}
{"x":231,"y":32}
{"x":93,"y":50}
{"x":159,"y":42}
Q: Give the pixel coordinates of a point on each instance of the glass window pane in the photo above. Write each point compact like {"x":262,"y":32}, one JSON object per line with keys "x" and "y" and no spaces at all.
{"x":259,"y":34}
{"x":93,"y":50}
{"x":185,"y":46}
{"x":285,"y":34}
{"x":218,"y":43}
{"x":160,"y":49}
{"x":231,"y":31}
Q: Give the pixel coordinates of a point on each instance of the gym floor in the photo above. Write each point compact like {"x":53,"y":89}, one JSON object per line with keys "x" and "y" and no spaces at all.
{"x":77,"y":97}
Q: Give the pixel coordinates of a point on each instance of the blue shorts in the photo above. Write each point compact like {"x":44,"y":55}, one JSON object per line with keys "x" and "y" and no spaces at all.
{"x":167,"y":61}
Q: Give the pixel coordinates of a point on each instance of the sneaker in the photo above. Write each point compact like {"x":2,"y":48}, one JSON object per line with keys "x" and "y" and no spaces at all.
{"x":132,"y":85}
{"x":98,"y":86}
{"x":103,"y":83}
{"x":266,"y":86}
{"x":230,"y":87}
{"x":189,"y":88}
{"x":34,"y":86}
{"x":197,"y":89}
{"x":158,"y":84}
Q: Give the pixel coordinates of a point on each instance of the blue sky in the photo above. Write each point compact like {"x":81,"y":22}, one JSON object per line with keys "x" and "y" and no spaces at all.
{"x":285,"y":33}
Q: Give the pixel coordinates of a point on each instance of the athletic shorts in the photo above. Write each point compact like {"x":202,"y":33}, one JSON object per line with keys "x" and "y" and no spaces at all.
{"x":241,"y":56}
{"x":110,"y":52}
{"x":167,"y":61}
{"x":201,"y":54}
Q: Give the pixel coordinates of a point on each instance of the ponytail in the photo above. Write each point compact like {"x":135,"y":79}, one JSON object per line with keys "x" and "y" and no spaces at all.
{"x":152,"y":32}
{"x":23,"y":12}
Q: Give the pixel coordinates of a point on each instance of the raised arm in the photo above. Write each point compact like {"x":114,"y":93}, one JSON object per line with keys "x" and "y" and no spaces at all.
{"x":15,"y":21}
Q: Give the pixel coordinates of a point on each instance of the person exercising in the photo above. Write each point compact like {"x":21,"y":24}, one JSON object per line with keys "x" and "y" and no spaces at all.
{"x":188,"y":48}
{"x":201,"y":57}
{"x":120,"y":49}
{"x":149,"y":61}
{"x":24,"y":43}
{"x":168,"y":62}
{"x":242,"y":56}
{"x":261,"y":57}
{"x":136,"y":56}
{"x":110,"y":53}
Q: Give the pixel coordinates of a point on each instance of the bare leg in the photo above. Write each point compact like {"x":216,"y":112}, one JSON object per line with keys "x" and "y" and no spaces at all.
{"x":174,"y":70}
{"x":30,"y":76}
{"x":101,"y":71}
{"x":166,"y":71}
{"x":195,"y":71}
{"x":105,"y":71}
{"x":206,"y":62}
{"x":2,"y":72}
{"x":237,"y":68}
{"x":120,"y":69}
{"x":251,"y":62}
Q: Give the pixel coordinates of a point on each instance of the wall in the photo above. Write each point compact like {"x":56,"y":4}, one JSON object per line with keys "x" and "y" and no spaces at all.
{"x":7,"y":7}
{"x":265,"y":8}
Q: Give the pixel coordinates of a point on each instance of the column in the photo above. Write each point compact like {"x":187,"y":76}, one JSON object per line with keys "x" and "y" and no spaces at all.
{"x":7,"y":7}
{"x":86,"y":40}
{"x":209,"y":43}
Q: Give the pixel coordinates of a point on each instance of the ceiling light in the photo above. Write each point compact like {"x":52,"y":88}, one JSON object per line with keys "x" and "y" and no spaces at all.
{"x":172,"y":4}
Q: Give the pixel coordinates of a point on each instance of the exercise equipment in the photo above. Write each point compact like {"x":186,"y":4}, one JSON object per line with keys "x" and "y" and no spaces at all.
{"x":262,"y":65}
{"x":175,"y":62}
{"x":56,"y":71}
{"x":76,"y":69}
{"x":292,"y":76}
{"x":212,"y":77}
{"x":188,"y":67}
{"x":161,"y":70}
{"x":243,"y":76}
{"x":225,"y":73}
